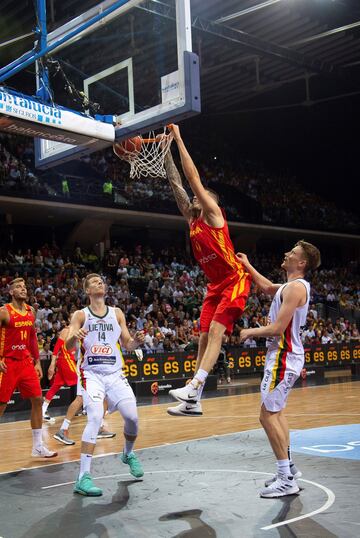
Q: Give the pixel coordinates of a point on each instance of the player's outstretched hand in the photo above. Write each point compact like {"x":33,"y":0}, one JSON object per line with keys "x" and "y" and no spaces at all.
{"x":38,"y":369}
{"x":3,"y":367}
{"x":80,"y":334}
{"x":51,"y":371}
{"x":242,"y":258}
{"x":139,"y":337}
{"x":244,"y":334}
{"x":175,"y":131}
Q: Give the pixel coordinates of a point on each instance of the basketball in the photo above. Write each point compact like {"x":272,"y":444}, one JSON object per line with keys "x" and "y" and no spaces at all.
{"x":131,"y":145}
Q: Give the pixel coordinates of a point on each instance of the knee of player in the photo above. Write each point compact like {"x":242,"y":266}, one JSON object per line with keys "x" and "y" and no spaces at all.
{"x":95,"y":414}
{"x":131,"y":425}
{"x":263,"y":416}
{"x":216,"y":330}
{"x":37,"y":402}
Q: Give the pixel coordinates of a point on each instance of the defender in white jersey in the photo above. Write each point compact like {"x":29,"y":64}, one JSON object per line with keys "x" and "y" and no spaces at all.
{"x":285,"y":356}
{"x":100,"y":328}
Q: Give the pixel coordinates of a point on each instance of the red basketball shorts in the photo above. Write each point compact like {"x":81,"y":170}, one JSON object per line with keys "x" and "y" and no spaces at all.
{"x":225,"y":302}
{"x":22,"y":375}
{"x":66,"y":373}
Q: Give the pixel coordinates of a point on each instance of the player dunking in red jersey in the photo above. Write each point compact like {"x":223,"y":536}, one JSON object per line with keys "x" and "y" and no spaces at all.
{"x":228,"y":286}
{"x":229,"y":282}
{"x":18,"y":349}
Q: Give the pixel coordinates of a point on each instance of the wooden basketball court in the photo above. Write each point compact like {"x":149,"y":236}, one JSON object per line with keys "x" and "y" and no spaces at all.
{"x":308,"y":407}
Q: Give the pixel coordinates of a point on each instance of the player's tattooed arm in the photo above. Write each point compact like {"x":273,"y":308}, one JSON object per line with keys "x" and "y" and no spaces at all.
{"x":181,"y":196}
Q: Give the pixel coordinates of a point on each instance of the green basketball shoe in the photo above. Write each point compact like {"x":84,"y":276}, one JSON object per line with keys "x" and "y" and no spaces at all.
{"x":85,"y":486}
{"x":134,"y":464}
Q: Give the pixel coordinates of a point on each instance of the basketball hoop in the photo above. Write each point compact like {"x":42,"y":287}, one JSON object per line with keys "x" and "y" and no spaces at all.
{"x":145,"y":155}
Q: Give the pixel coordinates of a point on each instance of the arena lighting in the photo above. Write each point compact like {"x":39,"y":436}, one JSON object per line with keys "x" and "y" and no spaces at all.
{"x":248,"y":10}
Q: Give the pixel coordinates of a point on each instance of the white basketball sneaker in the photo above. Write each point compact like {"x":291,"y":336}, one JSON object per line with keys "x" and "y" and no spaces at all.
{"x":186,"y":410}
{"x":293,"y":470}
{"x":283,"y":485}
{"x":47,"y":418}
{"x":188,"y":394}
{"x":43,"y":452}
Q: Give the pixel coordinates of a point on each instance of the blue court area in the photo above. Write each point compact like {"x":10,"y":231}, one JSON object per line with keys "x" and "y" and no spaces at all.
{"x":331,"y":441}
{"x":200,"y":488}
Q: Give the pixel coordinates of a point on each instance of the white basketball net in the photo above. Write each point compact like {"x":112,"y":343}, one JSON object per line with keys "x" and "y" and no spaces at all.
{"x":149,"y":159}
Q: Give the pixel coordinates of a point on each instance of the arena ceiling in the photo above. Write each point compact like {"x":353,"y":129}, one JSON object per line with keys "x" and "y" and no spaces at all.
{"x":254,"y":53}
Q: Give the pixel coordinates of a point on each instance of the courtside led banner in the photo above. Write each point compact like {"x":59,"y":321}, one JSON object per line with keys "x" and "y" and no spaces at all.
{"x":160,"y":372}
{"x":22,"y":115}
{"x":160,"y":366}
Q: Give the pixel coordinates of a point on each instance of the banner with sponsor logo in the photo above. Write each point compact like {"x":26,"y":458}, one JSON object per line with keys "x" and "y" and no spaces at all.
{"x":156,"y":388}
{"x":241,"y":361}
{"x":160,"y":367}
{"x":21,"y":114}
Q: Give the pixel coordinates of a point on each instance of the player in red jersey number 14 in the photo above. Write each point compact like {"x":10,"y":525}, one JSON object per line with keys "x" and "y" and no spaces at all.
{"x":18,"y":351}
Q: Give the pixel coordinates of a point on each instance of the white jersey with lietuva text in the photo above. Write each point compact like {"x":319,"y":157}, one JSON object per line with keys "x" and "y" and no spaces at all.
{"x":100,"y":348}
{"x":290,"y":340}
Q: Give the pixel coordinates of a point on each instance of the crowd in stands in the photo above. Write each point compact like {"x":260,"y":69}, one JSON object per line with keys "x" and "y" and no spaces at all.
{"x":248,"y":192}
{"x":162,"y":293}
{"x":16,"y":168}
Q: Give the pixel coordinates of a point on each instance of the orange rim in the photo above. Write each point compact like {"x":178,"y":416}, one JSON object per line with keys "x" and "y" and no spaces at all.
{"x":150,"y":140}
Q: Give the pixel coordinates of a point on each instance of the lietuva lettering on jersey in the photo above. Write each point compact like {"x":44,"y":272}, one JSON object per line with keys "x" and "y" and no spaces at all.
{"x":100,"y":326}
{"x":101,"y":352}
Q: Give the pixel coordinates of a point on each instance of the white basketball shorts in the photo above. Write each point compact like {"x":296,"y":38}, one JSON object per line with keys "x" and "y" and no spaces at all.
{"x":114,"y":387}
{"x":280,"y":373}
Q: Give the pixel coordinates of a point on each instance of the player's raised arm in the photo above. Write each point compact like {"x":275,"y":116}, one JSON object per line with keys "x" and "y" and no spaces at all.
{"x":75,"y":329}
{"x":181,"y":197}
{"x":293,"y":296}
{"x":264,"y":283}
{"x":129,"y":343}
{"x":207,"y":202}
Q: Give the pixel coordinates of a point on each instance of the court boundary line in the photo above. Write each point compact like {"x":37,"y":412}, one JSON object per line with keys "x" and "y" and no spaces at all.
{"x":329,"y":493}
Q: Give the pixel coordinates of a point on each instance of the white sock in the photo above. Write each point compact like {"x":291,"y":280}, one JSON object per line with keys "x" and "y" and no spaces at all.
{"x":102,"y":423}
{"x":283,"y":467}
{"x":129,"y":445}
{"x":85,"y":464}
{"x":66,"y":424}
{"x":37,"y":438}
{"x":201,"y":375}
{"x":45,"y":406}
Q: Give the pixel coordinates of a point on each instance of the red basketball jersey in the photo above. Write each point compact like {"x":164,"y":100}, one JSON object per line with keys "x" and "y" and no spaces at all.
{"x":64,"y":354}
{"x":214,"y":251}
{"x":15,"y":337}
